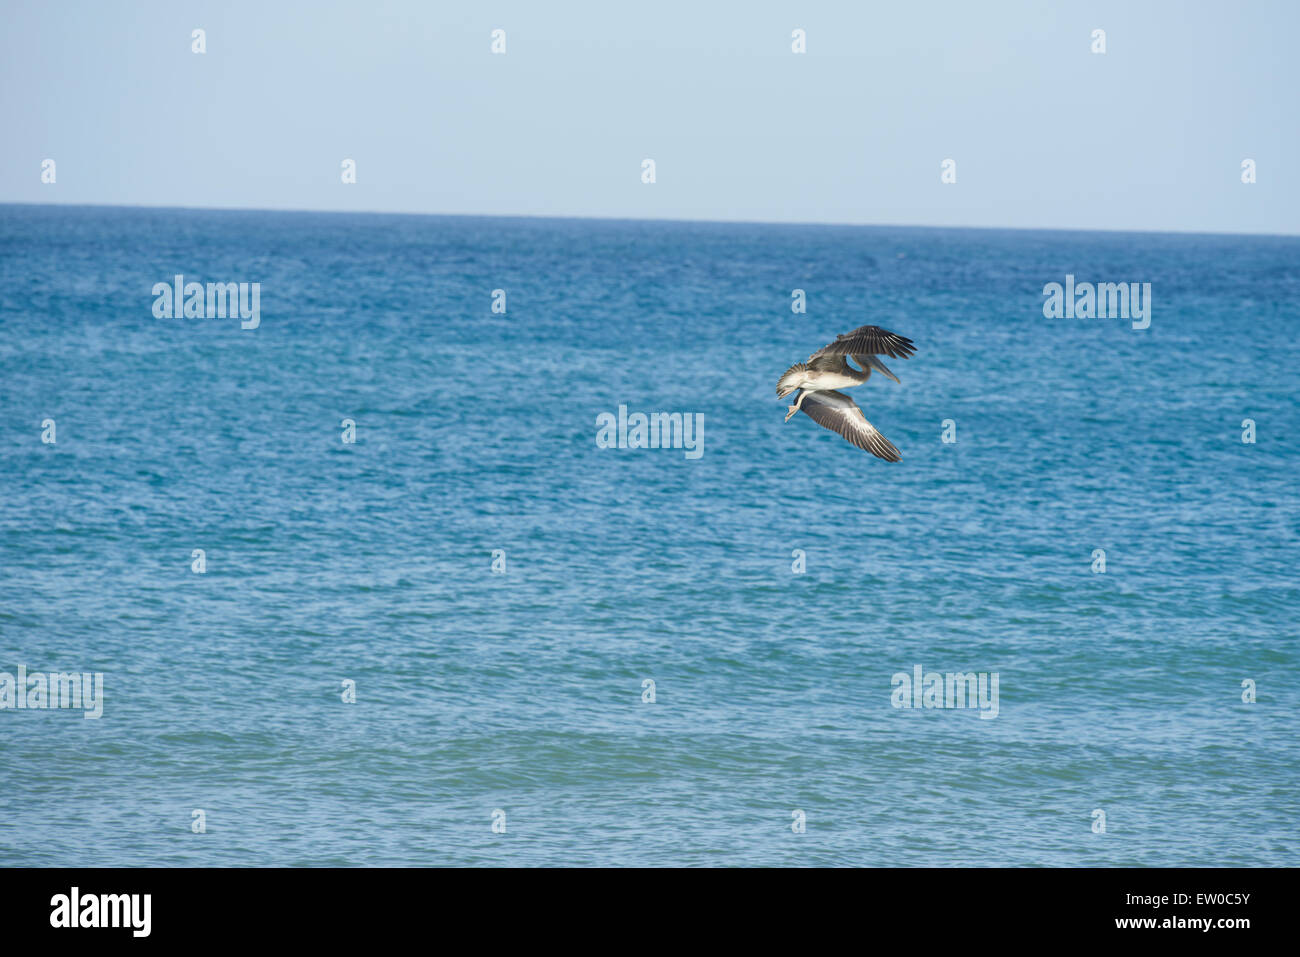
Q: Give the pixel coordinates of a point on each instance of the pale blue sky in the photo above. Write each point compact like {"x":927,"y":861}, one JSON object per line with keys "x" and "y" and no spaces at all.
{"x":1150,"y":135}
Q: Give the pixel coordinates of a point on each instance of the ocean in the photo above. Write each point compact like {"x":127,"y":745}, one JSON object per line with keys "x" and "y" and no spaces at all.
{"x":471,"y":635}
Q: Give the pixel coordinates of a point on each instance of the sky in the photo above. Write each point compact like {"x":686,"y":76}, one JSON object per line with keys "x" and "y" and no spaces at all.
{"x":1044,"y":133}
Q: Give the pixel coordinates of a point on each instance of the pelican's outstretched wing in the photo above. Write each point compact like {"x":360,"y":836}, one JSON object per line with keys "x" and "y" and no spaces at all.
{"x":837,"y":412}
{"x":868,"y":340}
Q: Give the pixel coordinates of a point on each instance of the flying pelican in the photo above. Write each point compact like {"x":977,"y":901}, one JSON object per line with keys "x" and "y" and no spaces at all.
{"x":827,"y":370}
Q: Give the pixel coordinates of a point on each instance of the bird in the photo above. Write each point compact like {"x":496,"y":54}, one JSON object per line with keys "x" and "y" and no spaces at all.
{"x":827,"y":370}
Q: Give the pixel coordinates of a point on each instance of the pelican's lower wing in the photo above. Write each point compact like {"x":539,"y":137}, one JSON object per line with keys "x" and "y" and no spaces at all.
{"x":837,"y":412}
{"x":869,"y":340}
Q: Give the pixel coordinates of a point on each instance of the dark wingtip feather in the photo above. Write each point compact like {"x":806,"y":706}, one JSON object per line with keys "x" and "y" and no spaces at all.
{"x":870,"y":340}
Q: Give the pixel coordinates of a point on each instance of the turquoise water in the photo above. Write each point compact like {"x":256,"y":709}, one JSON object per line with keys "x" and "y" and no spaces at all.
{"x":521,"y":691}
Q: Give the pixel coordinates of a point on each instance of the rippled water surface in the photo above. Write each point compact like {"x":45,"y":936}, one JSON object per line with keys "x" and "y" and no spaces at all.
{"x":372,"y":562}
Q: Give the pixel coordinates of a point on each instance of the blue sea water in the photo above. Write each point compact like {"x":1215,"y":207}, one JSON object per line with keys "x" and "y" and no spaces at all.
{"x":521,"y":691}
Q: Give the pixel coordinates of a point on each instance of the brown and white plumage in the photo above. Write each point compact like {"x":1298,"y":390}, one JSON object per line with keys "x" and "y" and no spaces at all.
{"x":827,"y":370}
{"x":837,"y":412}
{"x":828,"y":367}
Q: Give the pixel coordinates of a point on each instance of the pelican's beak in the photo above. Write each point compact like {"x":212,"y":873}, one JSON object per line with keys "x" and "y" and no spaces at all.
{"x":880,"y":367}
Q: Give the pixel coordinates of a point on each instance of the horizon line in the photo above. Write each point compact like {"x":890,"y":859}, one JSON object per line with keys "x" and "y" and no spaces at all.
{"x":648,"y":219}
